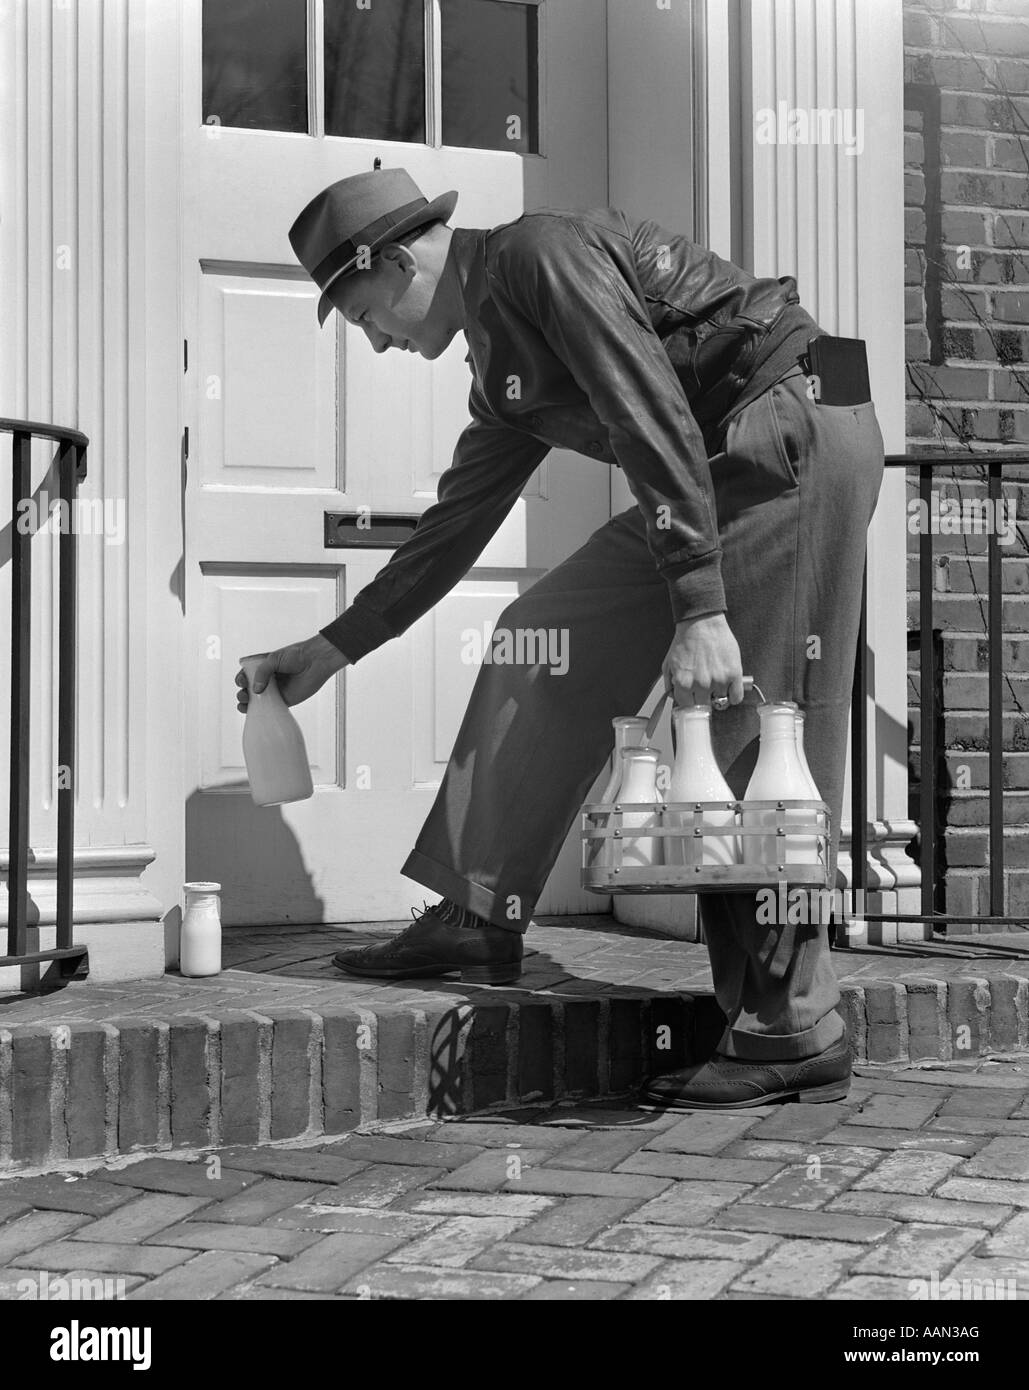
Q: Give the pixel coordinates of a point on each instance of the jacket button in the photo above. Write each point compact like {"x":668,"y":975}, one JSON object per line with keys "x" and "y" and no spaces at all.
{"x":595,"y":446}
{"x":534,"y":422}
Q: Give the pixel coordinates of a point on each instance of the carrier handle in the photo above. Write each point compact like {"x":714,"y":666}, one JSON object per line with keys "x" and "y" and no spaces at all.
{"x":654,"y":718}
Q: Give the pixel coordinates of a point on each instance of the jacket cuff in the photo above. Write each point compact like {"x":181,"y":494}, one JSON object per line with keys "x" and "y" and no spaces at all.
{"x":357,"y":631}
{"x":696,"y":588}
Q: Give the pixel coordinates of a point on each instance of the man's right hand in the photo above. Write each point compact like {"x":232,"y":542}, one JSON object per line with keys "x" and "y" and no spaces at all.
{"x":300,"y":671}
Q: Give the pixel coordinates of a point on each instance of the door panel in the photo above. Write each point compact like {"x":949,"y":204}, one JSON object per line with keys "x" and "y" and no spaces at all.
{"x":288,"y":421}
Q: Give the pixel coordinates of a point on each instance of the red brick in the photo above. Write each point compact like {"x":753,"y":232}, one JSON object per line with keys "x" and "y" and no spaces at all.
{"x":31,"y":1082}
{"x":899,"y":1206}
{"x":384,"y":1148}
{"x":258,"y":1240}
{"x":978,"y":35}
{"x":86,"y":1093}
{"x":964,"y":228}
{"x":405,"y":1282}
{"x":962,"y":149}
{"x":786,"y":1221}
{"x":687,"y":1203}
{"x":395,"y":1046}
{"x":582,"y":1057}
{"x":1011,"y":305}
{"x":799,"y":1269}
{"x":1007,"y":1007}
{"x":703,"y":1133}
{"x":489,"y":1172}
{"x":174,"y":1175}
{"x":887,"y":1139}
{"x":17,"y":1238}
{"x":568,"y":1263}
{"x":600,"y":1151}
{"x":535,"y":1052}
{"x":94,"y":1196}
{"x":564,"y":1291}
{"x":625,"y":1044}
{"x":991,"y":1190}
{"x":66,"y":1255}
{"x":487,"y":1054}
{"x":984,"y":189}
{"x":240,"y":1058}
{"x":886,"y":1017}
{"x":379,"y":1185}
{"x":1002,"y":1157}
{"x":915,"y":1248}
{"x":697,"y":1166}
{"x":341,"y":1071}
{"x":577,"y":1220}
{"x":205,"y":1276}
{"x":291,"y":1072}
{"x":142,"y":1217}
{"x":305,"y":1165}
{"x":456,"y":1241}
{"x":260,"y":1201}
{"x":188,"y":1081}
{"x":138,"y":1078}
{"x":331,"y":1263}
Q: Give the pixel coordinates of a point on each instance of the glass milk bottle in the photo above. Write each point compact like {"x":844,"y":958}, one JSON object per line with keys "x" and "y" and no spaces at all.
{"x":200,"y":941}
{"x":696,"y":776}
{"x":273,"y":745}
{"x":630,"y":732}
{"x":639,"y":784}
{"x":798,"y":719}
{"x":778,"y":776}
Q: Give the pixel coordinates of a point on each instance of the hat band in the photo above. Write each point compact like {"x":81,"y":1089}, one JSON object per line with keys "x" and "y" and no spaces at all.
{"x":349,"y":249}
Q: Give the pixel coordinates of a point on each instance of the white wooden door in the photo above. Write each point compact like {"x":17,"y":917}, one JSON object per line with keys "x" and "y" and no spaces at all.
{"x":288,"y":422}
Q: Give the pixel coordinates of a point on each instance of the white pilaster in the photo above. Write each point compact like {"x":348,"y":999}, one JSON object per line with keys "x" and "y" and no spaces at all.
{"x":89,"y":150}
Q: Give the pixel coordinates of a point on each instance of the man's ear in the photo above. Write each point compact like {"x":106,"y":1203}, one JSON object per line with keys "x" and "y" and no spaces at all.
{"x":394,"y":253}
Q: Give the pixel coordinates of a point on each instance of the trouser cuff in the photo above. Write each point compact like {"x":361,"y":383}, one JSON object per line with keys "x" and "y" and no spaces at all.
{"x":783,"y":1047}
{"x":440,"y":878}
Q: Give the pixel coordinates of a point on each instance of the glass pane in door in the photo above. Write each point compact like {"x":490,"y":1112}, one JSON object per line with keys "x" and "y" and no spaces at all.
{"x":490,"y":75}
{"x":255,"y":64}
{"x":375,"y":70}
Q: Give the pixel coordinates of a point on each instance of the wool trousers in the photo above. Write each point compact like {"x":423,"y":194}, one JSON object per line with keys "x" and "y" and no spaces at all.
{"x":796,"y":483}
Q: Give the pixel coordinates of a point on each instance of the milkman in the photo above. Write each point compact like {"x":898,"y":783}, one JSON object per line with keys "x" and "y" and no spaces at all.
{"x":639,"y":348}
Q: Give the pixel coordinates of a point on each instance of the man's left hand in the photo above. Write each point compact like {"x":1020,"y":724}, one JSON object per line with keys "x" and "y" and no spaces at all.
{"x":703,"y":662}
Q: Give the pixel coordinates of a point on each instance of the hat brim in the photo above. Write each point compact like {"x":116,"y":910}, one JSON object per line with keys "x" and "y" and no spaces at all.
{"x":440,"y":209}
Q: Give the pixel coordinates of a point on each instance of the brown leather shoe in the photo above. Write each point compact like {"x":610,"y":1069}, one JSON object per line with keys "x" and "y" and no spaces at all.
{"x":433,"y":945}
{"x":734,"y":1083}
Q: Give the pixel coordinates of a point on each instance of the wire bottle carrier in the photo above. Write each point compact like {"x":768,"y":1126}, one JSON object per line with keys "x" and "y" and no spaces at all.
{"x":786,"y":830}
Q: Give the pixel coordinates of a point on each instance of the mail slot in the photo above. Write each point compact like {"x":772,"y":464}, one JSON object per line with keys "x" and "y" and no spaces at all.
{"x":383,"y":531}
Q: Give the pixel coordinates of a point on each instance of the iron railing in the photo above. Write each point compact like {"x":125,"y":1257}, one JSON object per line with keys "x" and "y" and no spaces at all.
{"x":926,"y":464}
{"x":68,"y":961}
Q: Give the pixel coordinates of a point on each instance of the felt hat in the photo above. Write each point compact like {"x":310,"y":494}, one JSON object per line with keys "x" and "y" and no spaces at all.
{"x":356,"y":216}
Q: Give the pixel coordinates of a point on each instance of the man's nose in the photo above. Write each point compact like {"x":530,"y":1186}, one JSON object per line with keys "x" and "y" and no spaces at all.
{"x":380,"y":341}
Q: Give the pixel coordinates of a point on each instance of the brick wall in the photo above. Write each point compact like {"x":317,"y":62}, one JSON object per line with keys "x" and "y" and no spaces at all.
{"x":967,"y":315}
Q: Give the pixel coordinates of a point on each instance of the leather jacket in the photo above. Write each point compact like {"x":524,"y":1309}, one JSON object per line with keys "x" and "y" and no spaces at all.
{"x":594,"y":332}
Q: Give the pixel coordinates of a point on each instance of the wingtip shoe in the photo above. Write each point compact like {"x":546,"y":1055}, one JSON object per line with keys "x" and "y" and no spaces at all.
{"x":736,"y":1083}
{"x":439,"y":943}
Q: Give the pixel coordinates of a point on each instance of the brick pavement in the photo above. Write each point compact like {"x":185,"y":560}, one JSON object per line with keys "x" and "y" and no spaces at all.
{"x":282,"y":1045}
{"x":923,"y":1171}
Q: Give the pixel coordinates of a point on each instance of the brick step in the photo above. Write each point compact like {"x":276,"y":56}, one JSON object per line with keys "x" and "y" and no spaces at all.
{"x":962,"y":574}
{"x":969,"y":847}
{"x":973,"y":767}
{"x":968,"y":730}
{"x":964,"y":613}
{"x":967,"y":891}
{"x":970,"y":651}
{"x":969,"y":542}
{"x":969,"y":691}
{"x":150,"y":1084}
{"x":972,"y":808}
